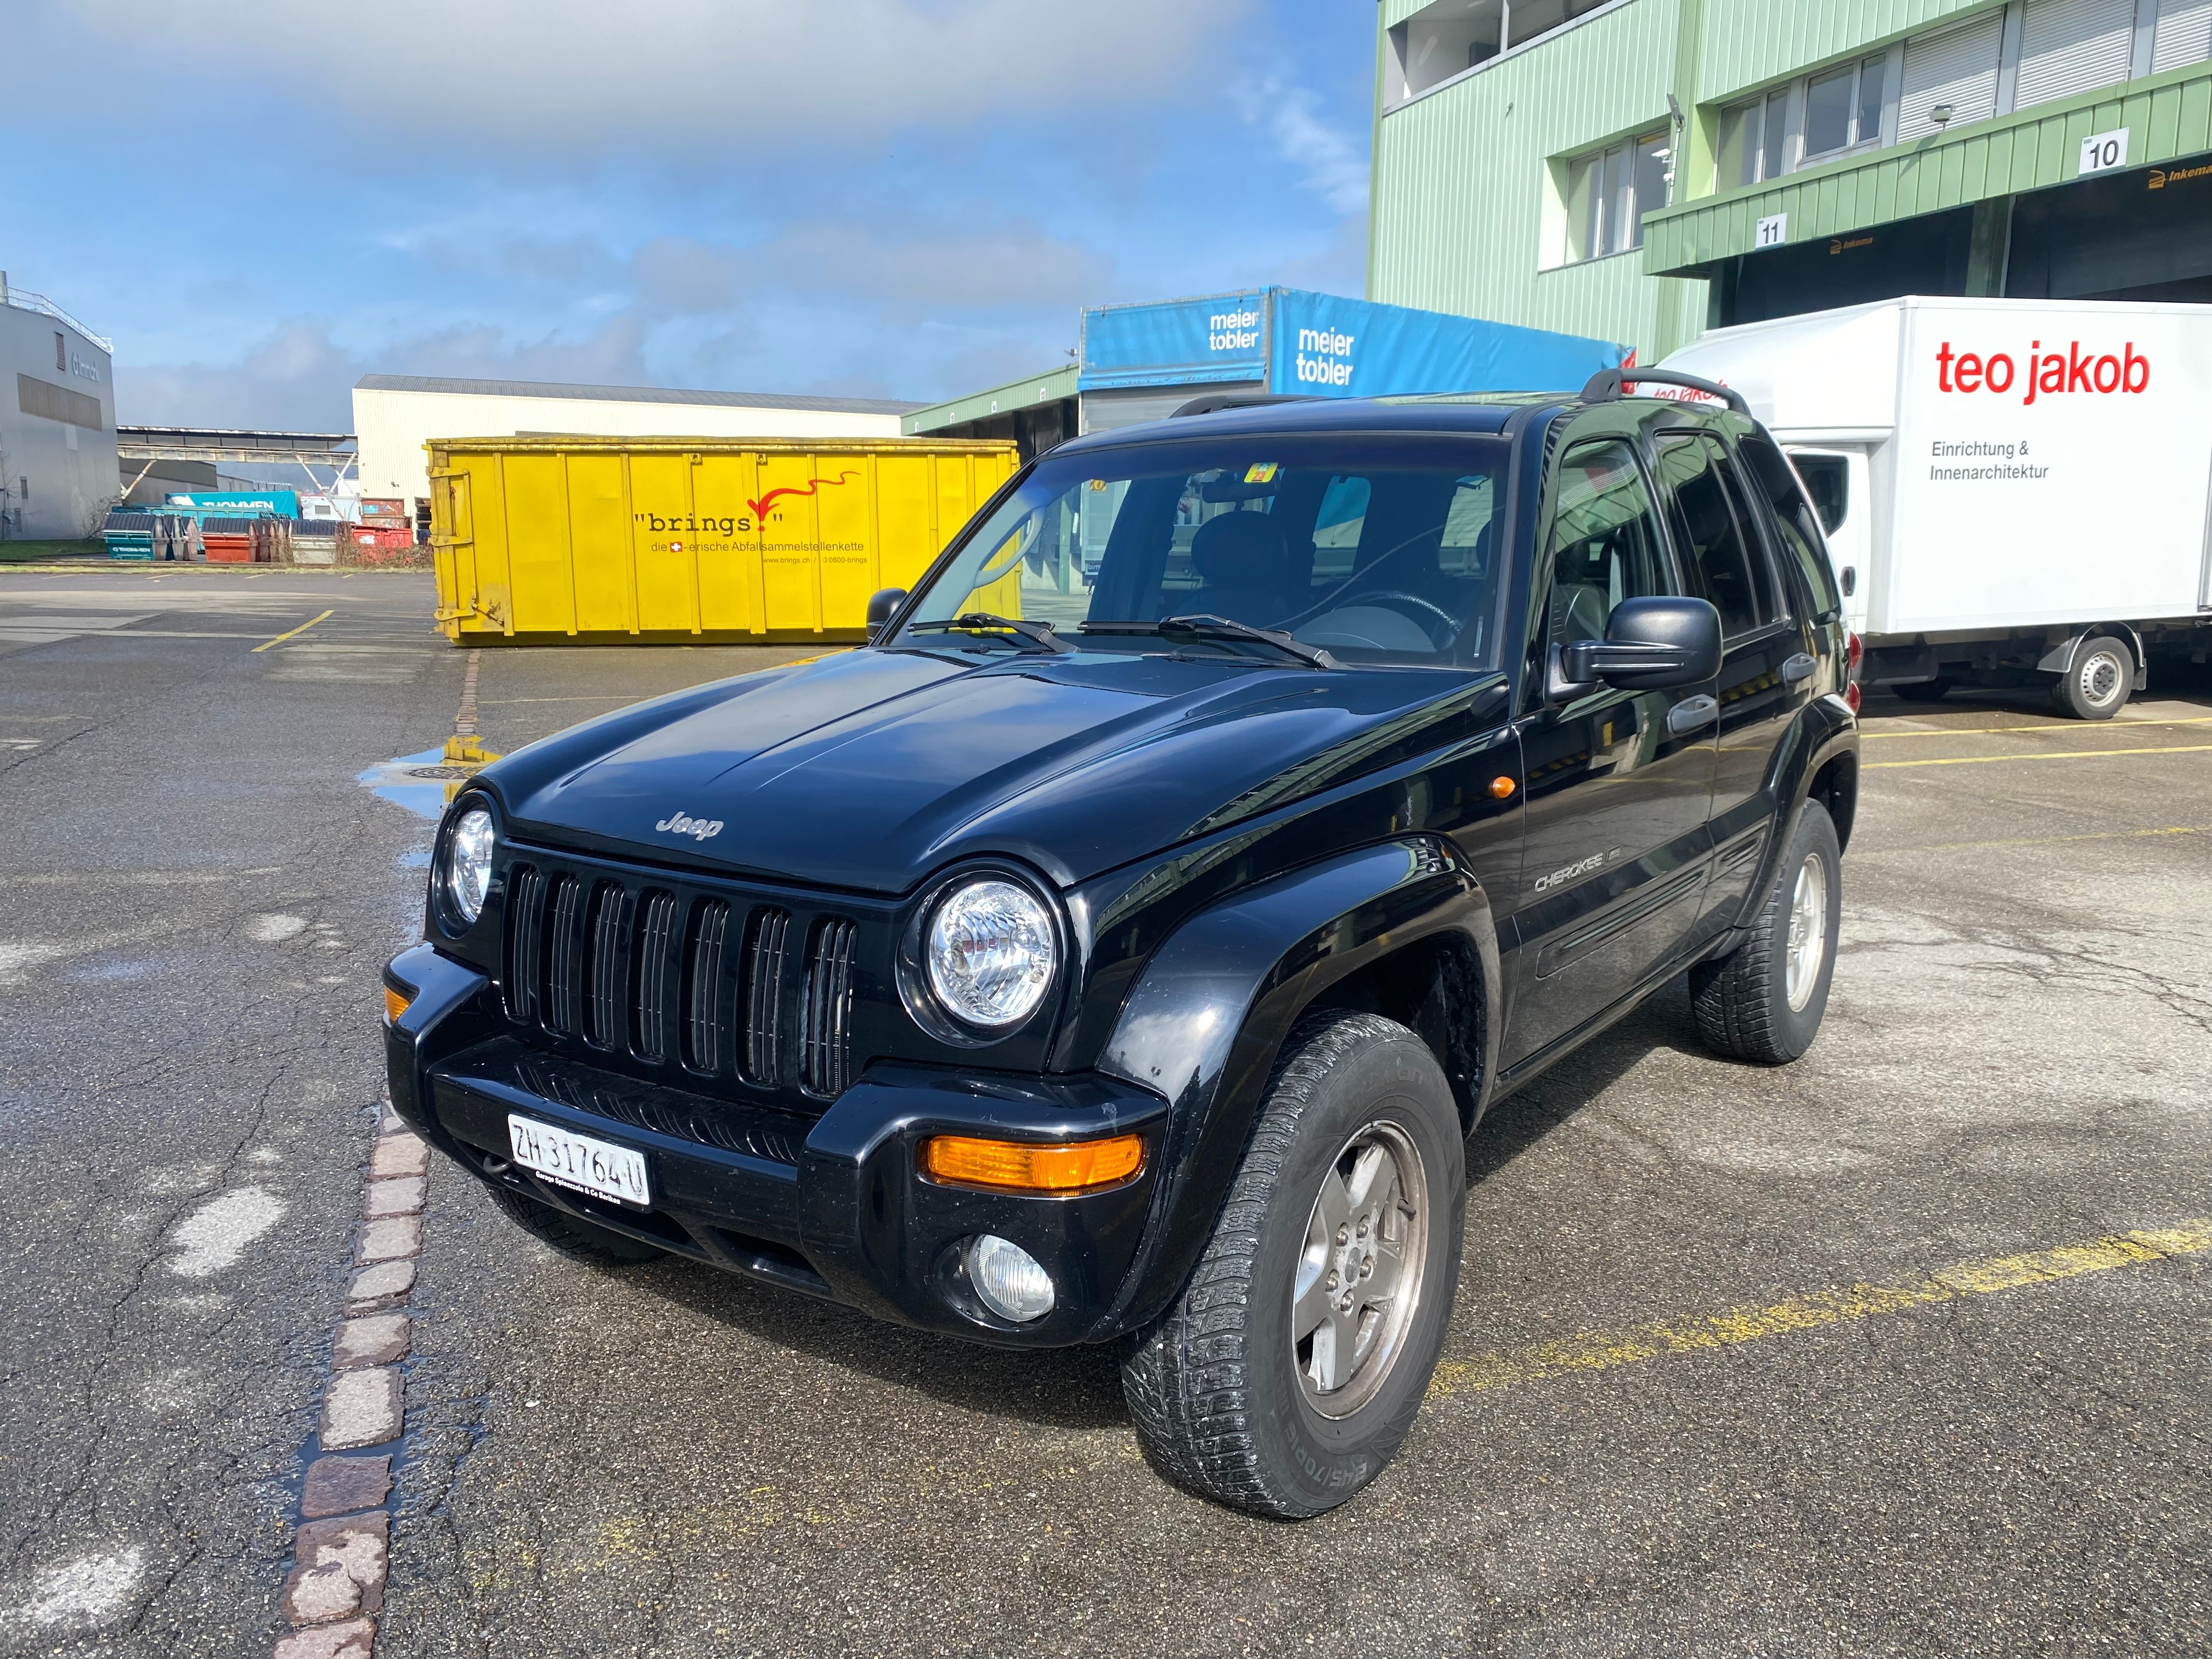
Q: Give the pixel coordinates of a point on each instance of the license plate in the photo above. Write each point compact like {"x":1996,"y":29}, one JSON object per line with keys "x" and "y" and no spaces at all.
{"x":578,"y":1161}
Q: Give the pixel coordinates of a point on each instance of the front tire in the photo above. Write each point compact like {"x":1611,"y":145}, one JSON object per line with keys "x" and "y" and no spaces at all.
{"x":2096,"y":686}
{"x":1293,"y":1365}
{"x":1764,"y":1000}
{"x":602,"y":1247}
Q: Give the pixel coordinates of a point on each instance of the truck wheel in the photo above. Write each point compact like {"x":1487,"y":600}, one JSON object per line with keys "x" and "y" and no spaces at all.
{"x":1921,"y":691}
{"x":1763,"y":1001}
{"x":1286,"y":1374}
{"x":2096,"y":687}
{"x":572,"y":1235}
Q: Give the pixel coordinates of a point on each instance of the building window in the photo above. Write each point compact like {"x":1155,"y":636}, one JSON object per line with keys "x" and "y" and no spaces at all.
{"x":1451,"y":37}
{"x":1838,"y":110}
{"x":61,"y":352}
{"x":1609,"y":193}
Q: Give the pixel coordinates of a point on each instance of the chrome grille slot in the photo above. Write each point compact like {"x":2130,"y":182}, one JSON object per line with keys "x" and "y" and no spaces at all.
{"x":828,"y":1039}
{"x":657,"y":976}
{"x":607,"y":967}
{"x":706,"y":1010}
{"x":763,"y":993}
{"x":564,"y":972}
{"x":526,"y":920}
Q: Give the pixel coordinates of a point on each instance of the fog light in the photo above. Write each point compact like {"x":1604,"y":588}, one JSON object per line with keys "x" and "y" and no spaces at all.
{"x":1012,"y":1283}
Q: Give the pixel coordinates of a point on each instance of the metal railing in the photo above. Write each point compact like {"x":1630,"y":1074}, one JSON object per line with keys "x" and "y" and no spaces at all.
{"x":23,"y":299}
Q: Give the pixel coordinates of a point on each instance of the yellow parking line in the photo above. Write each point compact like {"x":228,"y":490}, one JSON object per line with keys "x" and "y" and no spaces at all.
{"x":1597,"y":1352}
{"x":301,"y":629}
{"x":2048,"y":725}
{"x":2062,"y":754}
{"x":2023,"y":840}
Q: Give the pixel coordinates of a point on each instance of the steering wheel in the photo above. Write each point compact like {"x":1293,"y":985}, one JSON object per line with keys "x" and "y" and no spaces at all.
{"x":1414,"y":602}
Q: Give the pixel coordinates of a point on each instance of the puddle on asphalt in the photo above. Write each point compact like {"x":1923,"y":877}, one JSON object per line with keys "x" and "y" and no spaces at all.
{"x":421,"y":783}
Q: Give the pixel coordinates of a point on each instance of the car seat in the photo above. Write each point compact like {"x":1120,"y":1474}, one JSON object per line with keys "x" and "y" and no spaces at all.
{"x":1244,"y":562}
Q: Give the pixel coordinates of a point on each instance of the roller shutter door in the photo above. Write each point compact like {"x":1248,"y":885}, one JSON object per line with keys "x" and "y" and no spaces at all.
{"x":2184,"y":33}
{"x":1111,"y":409}
{"x":2068,"y":46}
{"x":1958,"y":67}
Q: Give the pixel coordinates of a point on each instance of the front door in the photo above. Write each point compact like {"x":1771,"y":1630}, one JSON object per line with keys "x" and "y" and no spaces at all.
{"x":1619,"y":783}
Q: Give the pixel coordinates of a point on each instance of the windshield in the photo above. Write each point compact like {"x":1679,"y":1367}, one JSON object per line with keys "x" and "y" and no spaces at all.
{"x":1375,"y":549}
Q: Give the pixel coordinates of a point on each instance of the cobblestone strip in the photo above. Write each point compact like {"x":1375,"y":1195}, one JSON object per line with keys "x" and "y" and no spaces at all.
{"x":335,"y":1589}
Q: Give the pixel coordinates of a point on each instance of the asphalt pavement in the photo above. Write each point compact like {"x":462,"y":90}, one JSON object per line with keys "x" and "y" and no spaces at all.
{"x":1903,"y":1349}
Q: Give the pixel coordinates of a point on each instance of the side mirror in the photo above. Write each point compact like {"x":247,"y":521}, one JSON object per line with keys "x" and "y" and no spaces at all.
{"x":881,"y":604}
{"x":1650,"y":644}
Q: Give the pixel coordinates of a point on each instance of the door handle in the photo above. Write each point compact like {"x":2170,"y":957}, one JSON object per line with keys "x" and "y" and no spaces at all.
{"x":1798,"y":667}
{"x":1687,"y":715}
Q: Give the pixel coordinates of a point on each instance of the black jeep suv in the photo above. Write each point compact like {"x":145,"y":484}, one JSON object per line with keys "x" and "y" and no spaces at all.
{"x":1121,"y":946}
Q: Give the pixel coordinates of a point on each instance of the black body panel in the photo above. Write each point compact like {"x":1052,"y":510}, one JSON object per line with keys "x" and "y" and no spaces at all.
{"x":701,"y":936}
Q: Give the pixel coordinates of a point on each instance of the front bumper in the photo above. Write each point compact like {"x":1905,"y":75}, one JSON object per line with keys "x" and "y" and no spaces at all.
{"x":832,"y":1206}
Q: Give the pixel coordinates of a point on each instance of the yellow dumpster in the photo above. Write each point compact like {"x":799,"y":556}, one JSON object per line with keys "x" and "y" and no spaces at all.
{"x":610,"y":540}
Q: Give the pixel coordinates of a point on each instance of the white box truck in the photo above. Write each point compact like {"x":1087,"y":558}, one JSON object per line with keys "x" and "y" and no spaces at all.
{"x":2016,"y":492}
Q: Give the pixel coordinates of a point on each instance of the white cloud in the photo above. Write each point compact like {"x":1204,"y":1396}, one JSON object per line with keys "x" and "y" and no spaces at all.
{"x":1334,"y":162}
{"x":570,"y":76}
{"x":906,"y":269}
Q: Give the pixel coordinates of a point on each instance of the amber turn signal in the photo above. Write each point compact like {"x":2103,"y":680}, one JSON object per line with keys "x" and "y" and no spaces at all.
{"x":394,"y":1005}
{"x":1022,"y":1166}
{"x":1502,"y":787}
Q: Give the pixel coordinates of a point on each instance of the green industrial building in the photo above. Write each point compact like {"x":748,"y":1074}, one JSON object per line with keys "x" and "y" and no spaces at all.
{"x":1642,"y":170}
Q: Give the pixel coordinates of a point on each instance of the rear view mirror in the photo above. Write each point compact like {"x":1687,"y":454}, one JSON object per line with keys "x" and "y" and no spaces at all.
{"x":882,"y":605}
{"x":1650,"y":644}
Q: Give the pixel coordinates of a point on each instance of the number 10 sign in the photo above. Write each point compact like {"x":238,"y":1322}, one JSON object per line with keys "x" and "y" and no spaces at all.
{"x":2103,"y":151}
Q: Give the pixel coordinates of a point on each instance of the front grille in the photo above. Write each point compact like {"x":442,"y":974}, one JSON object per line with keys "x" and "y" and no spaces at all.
{"x":828,"y":1047}
{"x":706,"y":1008}
{"x":682,"y":983}
{"x":764,"y":995}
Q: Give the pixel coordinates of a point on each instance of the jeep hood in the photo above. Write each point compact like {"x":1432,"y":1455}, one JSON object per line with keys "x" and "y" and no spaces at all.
{"x":870,"y":769}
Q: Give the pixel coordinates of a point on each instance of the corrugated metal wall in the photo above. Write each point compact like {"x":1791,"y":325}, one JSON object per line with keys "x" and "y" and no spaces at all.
{"x":1462,"y":184}
{"x":2167,"y":122}
{"x":1747,"y":42}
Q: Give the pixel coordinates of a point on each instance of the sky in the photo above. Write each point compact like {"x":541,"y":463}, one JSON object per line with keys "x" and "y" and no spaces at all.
{"x":261,"y":201}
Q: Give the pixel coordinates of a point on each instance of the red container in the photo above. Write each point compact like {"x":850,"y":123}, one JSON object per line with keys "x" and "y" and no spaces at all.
{"x":226,"y":547}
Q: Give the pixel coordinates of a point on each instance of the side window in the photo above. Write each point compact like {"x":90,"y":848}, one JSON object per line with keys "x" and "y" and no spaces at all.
{"x":1721,"y":553}
{"x":1605,"y":543}
{"x":1799,"y":521}
{"x":1465,"y":550}
{"x":1337,"y":528}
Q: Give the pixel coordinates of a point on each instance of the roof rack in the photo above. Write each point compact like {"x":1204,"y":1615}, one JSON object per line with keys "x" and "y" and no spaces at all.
{"x":1606,"y":386}
{"x":1220,"y":400}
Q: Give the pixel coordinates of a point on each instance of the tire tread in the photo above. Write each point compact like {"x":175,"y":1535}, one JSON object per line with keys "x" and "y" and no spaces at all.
{"x":1185,"y":1380}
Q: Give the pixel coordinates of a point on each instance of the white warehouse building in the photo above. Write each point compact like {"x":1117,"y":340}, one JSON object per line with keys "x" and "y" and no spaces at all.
{"x":395,"y":415}
{"x":58,"y":468}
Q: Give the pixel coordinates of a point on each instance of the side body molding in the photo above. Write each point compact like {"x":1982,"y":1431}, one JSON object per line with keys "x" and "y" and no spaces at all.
{"x":1204,"y":1022}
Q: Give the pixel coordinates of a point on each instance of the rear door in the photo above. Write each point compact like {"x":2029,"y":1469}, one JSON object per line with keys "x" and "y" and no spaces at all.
{"x":1618,"y":783}
{"x":1768,"y":668}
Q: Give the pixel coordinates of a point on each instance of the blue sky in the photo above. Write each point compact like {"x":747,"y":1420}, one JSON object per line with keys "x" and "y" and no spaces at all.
{"x":261,"y":201}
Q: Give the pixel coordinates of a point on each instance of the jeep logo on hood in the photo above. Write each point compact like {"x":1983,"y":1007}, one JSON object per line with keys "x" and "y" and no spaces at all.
{"x":680,"y":823}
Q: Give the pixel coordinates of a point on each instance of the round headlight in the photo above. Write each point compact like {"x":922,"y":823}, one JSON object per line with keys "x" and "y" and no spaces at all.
{"x":468,"y":863}
{"x":991,"y":952}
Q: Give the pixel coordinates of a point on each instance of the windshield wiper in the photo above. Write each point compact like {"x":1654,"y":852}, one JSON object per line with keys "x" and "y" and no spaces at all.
{"x":983,"y":622}
{"x":1209,"y":627}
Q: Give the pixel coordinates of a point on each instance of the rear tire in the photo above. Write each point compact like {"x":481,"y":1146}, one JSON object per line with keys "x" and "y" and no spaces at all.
{"x":1763,"y":1001}
{"x":2096,"y":687}
{"x":1345,"y":1218}
{"x":603,"y":1246}
{"x":1922,"y":690}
